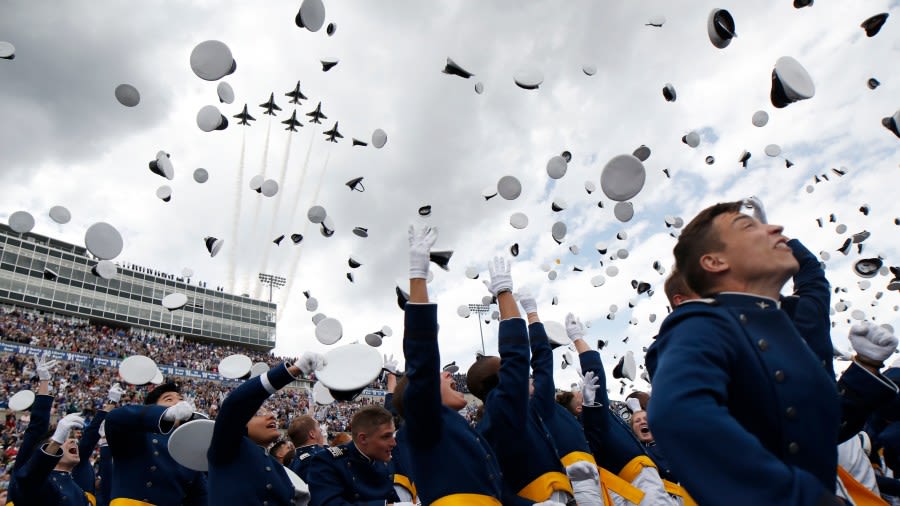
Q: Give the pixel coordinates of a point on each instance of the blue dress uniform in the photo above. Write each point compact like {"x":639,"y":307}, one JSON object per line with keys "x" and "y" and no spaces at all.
{"x":240,"y":471}
{"x":84,"y":472}
{"x":531,"y":467}
{"x":619,"y":453}
{"x":744,"y":408}
{"x":565,"y":429}
{"x":454,"y":465}
{"x":143,"y":471}
{"x":104,"y":468}
{"x":809,"y":307}
{"x":342,"y":475}
{"x":400,"y":454}
{"x":302,"y":459}
{"x":34,"y":482}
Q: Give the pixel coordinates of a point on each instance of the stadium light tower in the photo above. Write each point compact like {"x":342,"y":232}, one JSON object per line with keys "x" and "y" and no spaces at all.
{"x":272,"y":281}
{"x":480,"y":309}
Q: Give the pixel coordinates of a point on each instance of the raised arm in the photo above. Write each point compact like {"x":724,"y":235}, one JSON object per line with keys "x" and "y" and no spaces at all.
{"x":40,"y":413}
{"x":541,"y":358}
{"x":422,"y":397}
{"x":239,"y":407}
{"x":508,"y":402}
{"x":809,"y":306}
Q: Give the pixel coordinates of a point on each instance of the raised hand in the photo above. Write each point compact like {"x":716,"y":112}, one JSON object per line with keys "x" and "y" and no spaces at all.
{"x":420,"y":242}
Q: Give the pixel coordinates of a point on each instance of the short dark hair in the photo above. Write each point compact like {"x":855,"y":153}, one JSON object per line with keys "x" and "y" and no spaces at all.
{"x":676,"y":285}
{"x":299,"y":429}
{"x":368,"y":419}
{"x":156,"y":393}
{"x":698,"y":238}
{"x":399,"y":389}
{"x":483,"y":376}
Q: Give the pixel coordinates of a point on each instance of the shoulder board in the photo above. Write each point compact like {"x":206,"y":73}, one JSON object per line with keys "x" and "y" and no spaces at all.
{"x":304,"y":456}
{"x":336,"y":451}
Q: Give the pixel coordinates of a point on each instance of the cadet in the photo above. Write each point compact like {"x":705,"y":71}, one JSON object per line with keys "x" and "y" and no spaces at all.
{"x":564,"y":429}
{"x":531,"y":467}
{"x":241,"y":471}
{"x":143,"y":472}
{"x":453,"y":464}
{"x":627,"y":472}
{"x":42,"y":473}
{"x":403,"y":480}
{"x":742,"y":404}
{"x":358,"y":472}
{"x":309,"y":439}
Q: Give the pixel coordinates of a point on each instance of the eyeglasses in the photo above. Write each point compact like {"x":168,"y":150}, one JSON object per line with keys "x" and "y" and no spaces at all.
{"x":264,"y":412}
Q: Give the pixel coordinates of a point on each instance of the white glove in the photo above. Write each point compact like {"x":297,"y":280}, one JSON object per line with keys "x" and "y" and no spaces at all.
{"x":102,"y":429}
{"x":758,"y":211}
{"x":43,"y":366}
{"x":872,"y":342}
{"x":311,"y":361}
{"x":65,"y":425}
{"x":549,"y":503}
{"x":633,"y":404}
{"x":403,"y":503}
{"x":574,"y":327}
{"x":582,"y":470}
{"x":526,"y":300}
{"x":391,"y":365}
{"x":420,"y":242}
{"x":115,"y":393}
{"x":179,"y":412}
{"x":589,"y":389}
{"x":501,"y":279}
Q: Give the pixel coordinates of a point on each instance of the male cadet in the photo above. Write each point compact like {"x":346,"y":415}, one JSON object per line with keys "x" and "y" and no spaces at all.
{"x":453,"y":464}
{"x":143,"y":472}
{"x":358,"y":472}
{"x":403,"y":479}
{"x":241,"y":471}
{"x":309,"y":439}
{"x":43,"y":472}
{"x":564,"y":429}
{"x":532,"y":471}
{"x":628,"y":474}
{"x":743,"y":405}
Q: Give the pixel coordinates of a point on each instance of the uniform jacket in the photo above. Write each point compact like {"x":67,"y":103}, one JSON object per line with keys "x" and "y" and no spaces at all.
{"x":143,"y":470}
{"x":35,"y":482}
{"x":84,"y":472}
{"x":303,"y":458}
{"x":742,"y":405}
{"x":240,"y":471}
{"x":564,"y":428}
{"x":403,"y":472}
{"x":342,"y":476}
{"x":531,"y":467}
{"x":451,"y":460}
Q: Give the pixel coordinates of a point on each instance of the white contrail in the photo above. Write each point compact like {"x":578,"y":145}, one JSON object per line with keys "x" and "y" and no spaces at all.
{"x":254,"y":231}
{"x":281,"y":181}
{"x":293,"y":214}
{"x":295,"y":263}
{"x":232,"y":255}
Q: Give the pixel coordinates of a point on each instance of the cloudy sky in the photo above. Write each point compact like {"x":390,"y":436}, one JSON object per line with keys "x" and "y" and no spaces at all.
{"x":67,"y":141}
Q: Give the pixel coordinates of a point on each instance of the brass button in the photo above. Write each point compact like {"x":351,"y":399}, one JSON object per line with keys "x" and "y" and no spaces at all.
{"x":779,"y":376}
{"x":791,"y":412}
{"x":268,"y":468}
{"x":149,"y":484}
{"x":156,"y":454}
{"x":762,"y":344}
{"x":155,"y":441}
{"x":793,"y":448}
{"x":268,"y":486}
{"x":153,"y":468}
{"x":742,"y":318}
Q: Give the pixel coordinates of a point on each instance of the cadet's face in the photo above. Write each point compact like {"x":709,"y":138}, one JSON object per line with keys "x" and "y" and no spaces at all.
{"x":640,"y":427}
{"x":70,"y":453}
{"x":169,"y":399}
{"x":263,"y":428}
{"x":754,"y":251}
{"x":450,"y":397}
{"x":379,"y":443}
{"x":577,"y":400}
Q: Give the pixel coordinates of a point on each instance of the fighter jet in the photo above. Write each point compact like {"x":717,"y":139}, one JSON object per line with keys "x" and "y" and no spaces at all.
{"x":292,"y":122}
{"x":333,"y":134}
{"x":296,"y":95}
{"x":270,"y":106}
{"x":316,"y":115}
{"x":244,"y":117}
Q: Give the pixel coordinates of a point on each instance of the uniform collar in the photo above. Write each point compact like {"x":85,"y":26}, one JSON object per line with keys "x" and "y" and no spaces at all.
{"x":363,"y":455}
{"x":741,"y":299}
